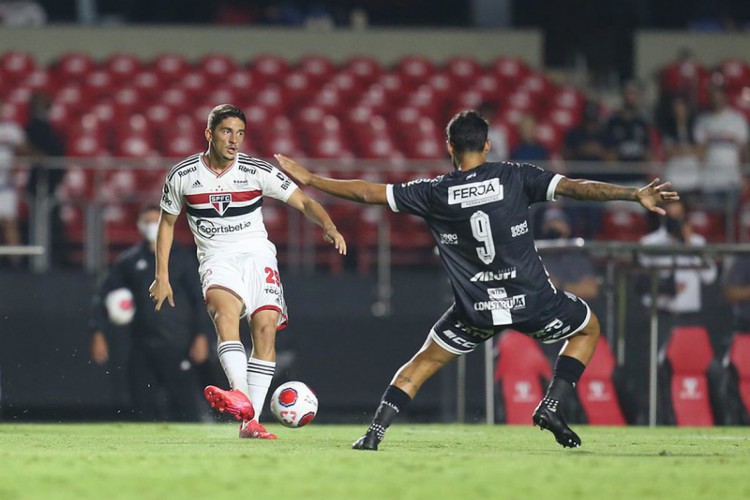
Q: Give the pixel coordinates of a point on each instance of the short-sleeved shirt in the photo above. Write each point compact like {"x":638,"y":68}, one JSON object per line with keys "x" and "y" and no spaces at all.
{"x":480,"y":221}
{"x":224,"y":208}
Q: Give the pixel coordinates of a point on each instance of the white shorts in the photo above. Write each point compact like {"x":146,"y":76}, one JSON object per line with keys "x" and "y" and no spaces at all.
{"x":8,"y":203}
{"x":253,"y":278}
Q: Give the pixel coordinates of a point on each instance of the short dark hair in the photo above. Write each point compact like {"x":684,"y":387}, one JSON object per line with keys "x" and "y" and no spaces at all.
{"x":467,"y":132}
{"x":223,"y":111}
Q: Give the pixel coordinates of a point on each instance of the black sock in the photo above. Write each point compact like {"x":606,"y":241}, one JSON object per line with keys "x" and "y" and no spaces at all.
{"x":393,"y":402}
{"x":565,"y":376}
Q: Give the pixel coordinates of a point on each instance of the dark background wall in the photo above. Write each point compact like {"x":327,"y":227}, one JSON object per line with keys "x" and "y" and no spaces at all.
{"x":344,"y":352}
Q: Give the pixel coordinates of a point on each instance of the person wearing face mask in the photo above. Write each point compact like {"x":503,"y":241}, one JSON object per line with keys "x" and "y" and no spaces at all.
{"x":166,"y":347}
{"x":683,"y":276}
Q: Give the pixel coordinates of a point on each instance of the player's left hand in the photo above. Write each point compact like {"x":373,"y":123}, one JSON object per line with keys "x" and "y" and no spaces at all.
{"x":333,"y":236}
{"x":651,"y":195}
{"x":161,"y":290}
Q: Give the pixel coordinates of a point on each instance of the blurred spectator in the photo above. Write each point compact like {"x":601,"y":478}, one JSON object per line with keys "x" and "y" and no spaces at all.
{"x":44,"y":143}
{"x":736,"y":284}
{"x":22,"y":14}
{"x":165,"y":347}
{"x":682,"y":167}
{"x":586,"y":141}
{"x":528,"y":149}
{"x":496,"y":134}
{"x":627,"y":134}
{"x":571,"y":271}
{"x":679,"y":300}
{"x":11,"y":138}
{"x":722,"y":136}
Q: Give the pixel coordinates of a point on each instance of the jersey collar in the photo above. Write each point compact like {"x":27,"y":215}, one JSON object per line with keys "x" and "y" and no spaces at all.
{"x":218,"y":174}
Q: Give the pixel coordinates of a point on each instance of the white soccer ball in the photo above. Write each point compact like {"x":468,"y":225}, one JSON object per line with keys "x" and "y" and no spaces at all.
{"x":294,"y":404}
{"x":120,"y":306}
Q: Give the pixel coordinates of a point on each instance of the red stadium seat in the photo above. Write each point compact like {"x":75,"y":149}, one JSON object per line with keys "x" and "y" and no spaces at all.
{"x":243,"y":83}
{"x":15,"y":66}
{"x":347,"y":86}
{"x":414,"y":70}
{"x":364,"y":69}
{"x":521,"y":372}
{"x":736,"y":74}
{"x":596,"y":390}
{"x":14,"y":112}
{"x":271,"y":98}
{"x":177,"y":98}
{"x":738,"y":363}
{"x":122,"y":67}
{"x":622,"y":225}
{"x":170,"y":67}
{"x":73,"y":67}
{"x":510,"y":70}
{"x":319,"y":69}
{"x":39,"y":80}
{"x":270,"y":69}
{"x":688,"y":355}
{"x":709,"y":223}
{"x":148,"y":84}
{"x":98,"y":84}
{"x":127,"y":101}
{"x":216,"y":67}
{"x":441,"y":84}
{"x":70,"y":96}
{"x":196,"y":84}
{"x":296,"y":89}
{"x":463,"y":69}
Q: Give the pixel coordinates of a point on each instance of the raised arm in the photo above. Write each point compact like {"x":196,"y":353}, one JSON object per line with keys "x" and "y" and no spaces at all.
{"x":648,"y":196}
{"x":316,"y":213}
{"x":354,"y":190}
{"x":160,"y":289}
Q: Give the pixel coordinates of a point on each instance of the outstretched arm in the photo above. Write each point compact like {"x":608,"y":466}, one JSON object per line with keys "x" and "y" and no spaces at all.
{"x":316,"y":213}
{"x":160,"y":289}
{"x":354,"y":190}
{"x":648,"y":196}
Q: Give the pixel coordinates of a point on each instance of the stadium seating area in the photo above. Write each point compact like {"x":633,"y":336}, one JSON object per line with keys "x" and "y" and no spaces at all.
{"x":313,"y":108}
{"x":125,"y":111}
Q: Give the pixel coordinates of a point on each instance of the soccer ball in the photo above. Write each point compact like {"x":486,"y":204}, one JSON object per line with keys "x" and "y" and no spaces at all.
{"x":294,"y":404}
{"x":120,"y":306}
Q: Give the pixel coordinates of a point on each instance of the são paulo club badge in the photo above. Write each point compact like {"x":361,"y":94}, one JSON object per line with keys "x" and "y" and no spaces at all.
{"x":220,"y":202}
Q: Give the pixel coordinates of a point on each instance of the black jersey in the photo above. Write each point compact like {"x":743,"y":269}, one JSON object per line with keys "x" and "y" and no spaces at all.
{"x":480,"y":221}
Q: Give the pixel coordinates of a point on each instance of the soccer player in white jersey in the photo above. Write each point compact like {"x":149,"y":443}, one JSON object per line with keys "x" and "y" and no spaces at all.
{"x":222,"y":191}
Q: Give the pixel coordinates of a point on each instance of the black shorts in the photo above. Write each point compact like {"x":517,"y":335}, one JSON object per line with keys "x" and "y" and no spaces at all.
{"x":566,"y":317}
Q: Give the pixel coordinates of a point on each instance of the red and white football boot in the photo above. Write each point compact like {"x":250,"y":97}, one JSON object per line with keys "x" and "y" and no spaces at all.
{"x":233,"y":402}
{"x":252,"y":429}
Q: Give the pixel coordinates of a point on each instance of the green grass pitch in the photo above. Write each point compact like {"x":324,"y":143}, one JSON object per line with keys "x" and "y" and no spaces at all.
{"x":174,"y":461}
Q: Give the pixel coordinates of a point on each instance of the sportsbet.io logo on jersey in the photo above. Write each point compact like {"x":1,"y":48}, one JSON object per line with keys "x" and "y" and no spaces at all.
{"x":476,"y":193}
{"x":208,"y":229}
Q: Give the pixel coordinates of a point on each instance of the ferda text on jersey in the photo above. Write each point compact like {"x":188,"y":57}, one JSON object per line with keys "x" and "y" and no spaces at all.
{"x":476,"y":193}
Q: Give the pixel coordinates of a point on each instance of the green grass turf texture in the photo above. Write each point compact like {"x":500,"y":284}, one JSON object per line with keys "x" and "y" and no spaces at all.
{"x":165,"y":461}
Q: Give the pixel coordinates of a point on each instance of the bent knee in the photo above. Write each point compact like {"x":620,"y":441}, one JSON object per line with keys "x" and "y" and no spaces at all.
{"x":592,"y":328}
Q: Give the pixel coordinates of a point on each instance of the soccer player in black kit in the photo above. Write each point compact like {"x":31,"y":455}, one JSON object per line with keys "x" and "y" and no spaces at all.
{"x":478,"y":215}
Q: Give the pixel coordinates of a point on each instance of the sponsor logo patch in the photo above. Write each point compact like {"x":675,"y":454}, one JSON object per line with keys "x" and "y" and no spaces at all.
{"x":519,"y":229}
{"x":183,"y":173}
{"x":476,"y":193}
{"x":503,"y":274}
{"x":220,"y":202}
{"x":513,"y":303}
{"x":448,"y":239}
{"x":208,"y":229}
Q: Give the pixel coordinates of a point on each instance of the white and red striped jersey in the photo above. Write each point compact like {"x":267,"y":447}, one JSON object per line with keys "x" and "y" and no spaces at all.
{"x":224,"y":208}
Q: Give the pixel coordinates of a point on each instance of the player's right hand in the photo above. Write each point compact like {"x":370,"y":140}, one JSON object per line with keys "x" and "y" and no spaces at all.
{"x":294,"y":169}
{"x":159,"y":291}
{"x":99,"y":348}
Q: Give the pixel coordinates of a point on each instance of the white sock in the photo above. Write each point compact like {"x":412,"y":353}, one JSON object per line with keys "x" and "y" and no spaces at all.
{"x":232,"y":358}
{"x":259,"y":376}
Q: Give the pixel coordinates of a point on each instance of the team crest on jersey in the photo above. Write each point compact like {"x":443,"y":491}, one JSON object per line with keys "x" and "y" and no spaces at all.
{"x":220,"y":202}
